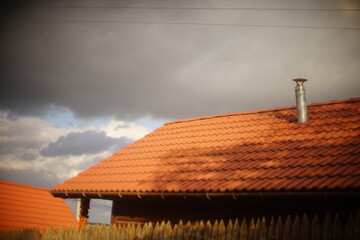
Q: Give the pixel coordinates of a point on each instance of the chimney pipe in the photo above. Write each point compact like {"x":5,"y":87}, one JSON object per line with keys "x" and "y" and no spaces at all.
{"x":301,"y":100}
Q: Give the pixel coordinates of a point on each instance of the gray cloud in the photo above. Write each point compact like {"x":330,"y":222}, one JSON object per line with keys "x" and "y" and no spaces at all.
{"x":176,"y":71}
{"x":88,"y":142}
{"x":30,"y":177}
{"x":19,"y":134}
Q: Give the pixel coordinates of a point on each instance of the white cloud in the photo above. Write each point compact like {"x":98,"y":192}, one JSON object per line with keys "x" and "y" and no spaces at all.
{"x":117,"y":129}
{"x":10,"y":162}
{"x":27,"y":131}
{"x":23,"y":139}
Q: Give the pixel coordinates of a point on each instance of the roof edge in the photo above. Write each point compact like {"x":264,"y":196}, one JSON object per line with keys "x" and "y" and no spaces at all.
{"x":350,"y":100}
{"x":325,"y":193}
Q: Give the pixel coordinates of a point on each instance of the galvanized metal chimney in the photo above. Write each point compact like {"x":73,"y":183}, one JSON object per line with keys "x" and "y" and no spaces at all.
{"x":301,"y":100}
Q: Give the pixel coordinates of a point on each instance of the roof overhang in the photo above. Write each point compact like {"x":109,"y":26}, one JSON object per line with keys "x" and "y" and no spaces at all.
{"x":323,"y":194}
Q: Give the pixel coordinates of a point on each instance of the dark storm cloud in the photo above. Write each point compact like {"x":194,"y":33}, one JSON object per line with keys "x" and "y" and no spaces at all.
{"x":88,"y":142}
{"x":176,"y":71}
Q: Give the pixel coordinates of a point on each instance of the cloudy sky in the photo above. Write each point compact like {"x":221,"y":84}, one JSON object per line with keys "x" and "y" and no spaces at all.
{"x":82,"y":79}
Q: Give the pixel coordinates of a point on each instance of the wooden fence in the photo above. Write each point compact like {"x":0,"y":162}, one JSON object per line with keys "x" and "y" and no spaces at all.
{"x":298,"y":228}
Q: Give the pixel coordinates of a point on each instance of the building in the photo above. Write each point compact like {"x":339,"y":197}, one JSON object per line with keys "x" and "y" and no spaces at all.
{"x":272,"y":162}
{"x":23,"y":206}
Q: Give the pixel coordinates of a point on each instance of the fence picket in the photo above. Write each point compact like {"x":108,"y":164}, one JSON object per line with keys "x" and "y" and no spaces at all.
{"x":162,"y":231}
{"x":271,"y":230}
{"x":257,"y":229}
{"x":235,"y":235}
{"x":76,"y":233}
{"x":296,"y":228}
{"x":194,"y":230}
{"x":112,"y":233}
{"x":305,"y":228}
{"x":118,"y":232}
{"x":326,"y":228}
{"x":207,"y":231}
{"x":187,"y":231}
{"x":143,"y":232}
{"x":337,"y":232}
{"x":200,"y":231}
{"x":127,"y":232}
{"x":180,"y":231}
{"x":67,"y":235}
{"x":214,"y":231}
{"x":148,"y":231}
{"x":82,"y":233}
{"x":103,"y":232}
{"x":137,"y":232}
{"x":123,"y":234}
{"x":263,"y":230}
{"x":174,"y":232}
{"x":96,"y":232}
{"x":168,"y":231}
{"x":130,"y":231}
{"x":221,"y":231}
{"x":279,"y":229}
{"x":86,"y":232}
{"x":315,"y":228}
{"x":244,"y":231}
{"x":155,"y":235}
{"x":251,"y":232}
{"x":229,"y":230}
{"x":287,"y":228}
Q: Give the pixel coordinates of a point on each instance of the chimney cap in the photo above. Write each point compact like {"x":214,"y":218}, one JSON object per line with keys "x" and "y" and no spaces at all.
{"x":299,"y":80}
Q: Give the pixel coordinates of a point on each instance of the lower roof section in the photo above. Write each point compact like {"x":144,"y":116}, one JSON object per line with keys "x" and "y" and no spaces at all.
{"x":23,"y":206}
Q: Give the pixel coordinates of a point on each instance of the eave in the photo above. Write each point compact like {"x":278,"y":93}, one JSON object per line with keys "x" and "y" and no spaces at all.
{"x":262,"y":195}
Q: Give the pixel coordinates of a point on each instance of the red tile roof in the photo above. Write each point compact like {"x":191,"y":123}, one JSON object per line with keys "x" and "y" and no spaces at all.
{"x":264,"y":150}
{"x":23,"y":206}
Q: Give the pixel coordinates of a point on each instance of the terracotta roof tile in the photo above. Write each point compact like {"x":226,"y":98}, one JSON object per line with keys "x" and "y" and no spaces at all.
{"x":23,"y":206}
{"x":251,"y":151}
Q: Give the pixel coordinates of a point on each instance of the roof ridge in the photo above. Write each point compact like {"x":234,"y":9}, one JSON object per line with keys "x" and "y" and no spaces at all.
{"x":350,"y":100}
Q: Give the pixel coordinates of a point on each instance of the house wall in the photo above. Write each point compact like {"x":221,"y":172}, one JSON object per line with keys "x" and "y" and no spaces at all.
{"x":140,"y":210}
